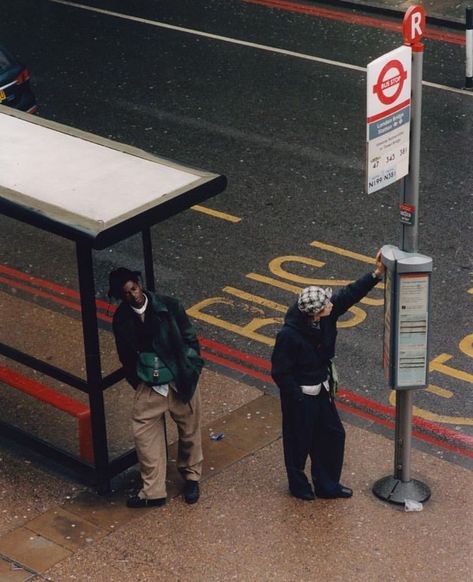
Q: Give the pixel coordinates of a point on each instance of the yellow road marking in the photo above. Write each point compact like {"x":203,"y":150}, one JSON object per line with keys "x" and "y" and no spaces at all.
{"x":370,"y":301}
{"x":351,"y":255}
{"x":432,"y":416}
{"x":343,"y":252}
{"x":438,"y":365}
{"x":439,"y":391}
{"x":249,"y":330}
{"x":275,"y":266}
{"x":255,"y":299}
{"x":216,"y":213}
{"x":359,"y":315}
{"x":466,"y":345}
{"x":288,"y":286}
{"x":321,"y":282}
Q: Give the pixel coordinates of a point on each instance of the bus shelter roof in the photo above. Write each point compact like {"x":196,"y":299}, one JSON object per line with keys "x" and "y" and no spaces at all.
{"x":88,"y":188}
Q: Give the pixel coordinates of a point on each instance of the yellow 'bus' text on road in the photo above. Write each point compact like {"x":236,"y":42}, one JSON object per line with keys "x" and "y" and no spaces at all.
{"x":288,"y":274}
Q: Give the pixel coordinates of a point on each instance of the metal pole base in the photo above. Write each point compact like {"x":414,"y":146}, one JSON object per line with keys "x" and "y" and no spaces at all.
{"x":397,"y":491}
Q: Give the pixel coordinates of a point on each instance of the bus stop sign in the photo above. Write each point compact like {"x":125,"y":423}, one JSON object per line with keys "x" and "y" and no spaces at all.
{"x":390,"y":82}
{"x":413,"y":25}
{"x":388,"y":107}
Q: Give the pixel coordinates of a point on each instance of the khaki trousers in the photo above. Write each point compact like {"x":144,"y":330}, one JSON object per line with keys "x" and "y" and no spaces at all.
{"x":148,"y":431}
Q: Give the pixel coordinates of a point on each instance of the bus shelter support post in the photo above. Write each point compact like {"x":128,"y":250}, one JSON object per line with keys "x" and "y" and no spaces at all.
{"x":148,"y":259}
{"x":93,"y":366}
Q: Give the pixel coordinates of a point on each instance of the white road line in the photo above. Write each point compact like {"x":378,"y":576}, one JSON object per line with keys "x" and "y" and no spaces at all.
{"x":212,"y":36}
{"x":447,"y":88}
{"x":242,"y":42}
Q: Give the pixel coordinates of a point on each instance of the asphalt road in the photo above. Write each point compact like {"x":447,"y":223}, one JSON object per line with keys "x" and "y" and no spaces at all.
{"x":289,"y":133}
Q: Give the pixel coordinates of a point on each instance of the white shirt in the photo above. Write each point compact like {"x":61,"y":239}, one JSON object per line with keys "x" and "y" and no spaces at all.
{"x":162,"y":389}
{"x":141,"y":310}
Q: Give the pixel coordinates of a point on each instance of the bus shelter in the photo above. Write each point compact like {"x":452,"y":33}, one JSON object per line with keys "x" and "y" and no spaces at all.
{"x":94,"y":192}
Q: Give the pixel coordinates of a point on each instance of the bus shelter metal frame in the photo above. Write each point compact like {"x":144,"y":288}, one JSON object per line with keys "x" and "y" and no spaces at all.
{"x":103,"y":469}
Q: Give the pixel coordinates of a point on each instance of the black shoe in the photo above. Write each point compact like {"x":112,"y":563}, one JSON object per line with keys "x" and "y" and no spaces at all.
{"x":143,"y":502}
{"x":306,"y":496}
{"x":191,"y":491}
{"x":341,"y":492}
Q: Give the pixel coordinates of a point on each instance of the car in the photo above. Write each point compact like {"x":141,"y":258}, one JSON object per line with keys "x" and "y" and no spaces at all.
{"x":15,"y":90}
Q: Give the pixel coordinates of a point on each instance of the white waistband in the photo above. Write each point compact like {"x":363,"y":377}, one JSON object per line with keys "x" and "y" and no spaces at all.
{"x":315,"y":390}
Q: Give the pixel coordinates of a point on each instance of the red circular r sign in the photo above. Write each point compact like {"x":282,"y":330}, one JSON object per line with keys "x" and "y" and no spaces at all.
{"x":386,"y":83}
{"x":413,"y":25}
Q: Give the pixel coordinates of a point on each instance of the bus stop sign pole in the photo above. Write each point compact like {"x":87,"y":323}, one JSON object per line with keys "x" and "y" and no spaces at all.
{"x":398,"y":488}
{"x":413,"y":27}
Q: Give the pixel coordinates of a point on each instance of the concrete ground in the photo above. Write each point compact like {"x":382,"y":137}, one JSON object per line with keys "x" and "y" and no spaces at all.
{"x":246,"y":526}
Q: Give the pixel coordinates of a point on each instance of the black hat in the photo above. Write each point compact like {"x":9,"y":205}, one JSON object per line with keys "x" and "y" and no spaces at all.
{"x":118,"y":278}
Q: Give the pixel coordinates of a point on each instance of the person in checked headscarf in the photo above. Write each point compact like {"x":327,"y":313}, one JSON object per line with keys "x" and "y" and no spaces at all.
{"x":301,"y":357}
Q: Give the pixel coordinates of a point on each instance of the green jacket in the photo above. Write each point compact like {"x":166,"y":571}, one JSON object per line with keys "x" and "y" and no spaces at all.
{"x":169,"y":334}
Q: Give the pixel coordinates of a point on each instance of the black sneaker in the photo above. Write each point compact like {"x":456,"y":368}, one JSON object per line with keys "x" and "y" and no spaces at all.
{"x":136,"y":501}
{"x":191,"y":491}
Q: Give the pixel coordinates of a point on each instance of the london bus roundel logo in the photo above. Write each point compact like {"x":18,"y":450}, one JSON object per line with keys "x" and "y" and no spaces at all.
{"x":390,"y":82}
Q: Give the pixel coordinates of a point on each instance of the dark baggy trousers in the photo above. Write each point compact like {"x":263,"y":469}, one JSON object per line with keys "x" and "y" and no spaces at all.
{"x":312,"y":428}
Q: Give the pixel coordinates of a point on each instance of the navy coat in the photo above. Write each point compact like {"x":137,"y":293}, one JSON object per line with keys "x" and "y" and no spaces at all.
{"x":302,"y":352}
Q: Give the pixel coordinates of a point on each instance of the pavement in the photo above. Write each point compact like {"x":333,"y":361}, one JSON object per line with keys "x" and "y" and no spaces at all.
{"x":246,"y":526}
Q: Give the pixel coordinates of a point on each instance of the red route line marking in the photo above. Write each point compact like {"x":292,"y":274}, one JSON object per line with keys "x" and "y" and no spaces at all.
{"x":420,"y":422}
{"x":259,"y":362}
{"x":351,"y":409}
{"x":45,"y":295}
{"x":351,"y":397}
{"x":451,"y":37}
{"x":40,"y":293}
{"x":389,"y":424}
{"x":48,"y":285}
{"x":238,"y":367}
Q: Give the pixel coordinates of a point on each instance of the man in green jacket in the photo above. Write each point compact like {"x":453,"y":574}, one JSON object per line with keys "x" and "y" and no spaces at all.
{"x":159,"y":351}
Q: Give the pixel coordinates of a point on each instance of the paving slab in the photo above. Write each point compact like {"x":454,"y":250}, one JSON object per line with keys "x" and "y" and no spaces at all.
{"x":105,"y":513}
{"x":28,"y":489}
{"x":32,"y":550}
{"x":11,"y":572}
{"x":255,"y":424}
{"x":65,"y":528}
{"x":250,"y":427}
